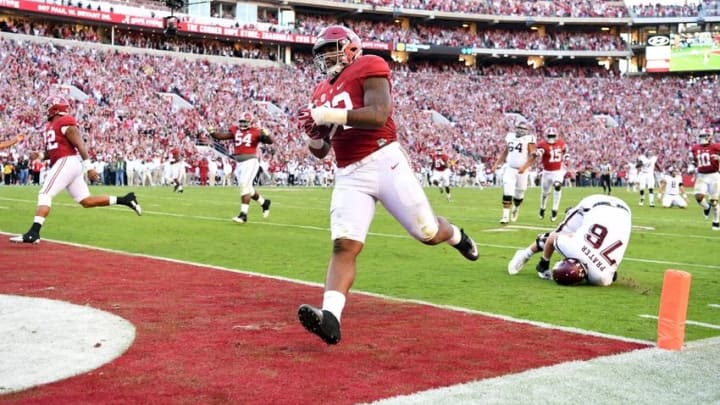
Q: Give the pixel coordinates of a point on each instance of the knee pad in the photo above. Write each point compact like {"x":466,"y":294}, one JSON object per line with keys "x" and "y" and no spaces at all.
{"x":713,"y":203}
{"x":650,"y":191}
{"x":557,"y":186}
{"x":517,"y":201}
{"x":507,"y":199}
{"x":44,"y":199}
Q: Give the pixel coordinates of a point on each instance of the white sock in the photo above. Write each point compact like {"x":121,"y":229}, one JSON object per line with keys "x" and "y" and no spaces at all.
{"x":113,"y":199}
{"x":261,"y":200}
{"x":244,"y":208}
{"x":334,"y":301}
{"x":38,"y":219}
{"x":506,"y":212}
{"x":456,"y":236}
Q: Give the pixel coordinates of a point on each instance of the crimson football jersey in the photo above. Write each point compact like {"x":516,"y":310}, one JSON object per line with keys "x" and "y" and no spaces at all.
{"x":702,"y":155}
{"x":440,"y":162}
{"x":56,"y":143}
{"x":346,"y":91}
{"x":245,"y":142}
{"x":552,"y":154}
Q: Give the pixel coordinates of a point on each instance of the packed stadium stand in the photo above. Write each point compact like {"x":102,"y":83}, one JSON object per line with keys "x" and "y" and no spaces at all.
{"x":149,"y":76}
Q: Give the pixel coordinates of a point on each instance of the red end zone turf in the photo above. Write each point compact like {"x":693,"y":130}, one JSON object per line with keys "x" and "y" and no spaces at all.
{"x":210,"y":336}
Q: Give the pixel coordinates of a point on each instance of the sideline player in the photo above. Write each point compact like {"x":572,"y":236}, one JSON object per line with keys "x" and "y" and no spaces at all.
{"x":63,"y":143}
{"x":246,"y":137}
{"x":706,"y":156}
{"x":594,"y":233}
{"x":552,"y":152}
{"x":519,"y":154}
{"x":352,"y":113}
{"x":646,"y":176}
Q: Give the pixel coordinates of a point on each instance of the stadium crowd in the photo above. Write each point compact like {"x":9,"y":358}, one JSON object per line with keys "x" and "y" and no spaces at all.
{"x":602,"y":115}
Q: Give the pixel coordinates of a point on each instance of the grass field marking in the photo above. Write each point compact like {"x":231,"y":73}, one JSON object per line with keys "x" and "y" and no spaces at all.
{"x":403,"y":236}
{"x":714,"y":305}
{"x":375,"y":295}
{"x":688,"y":322}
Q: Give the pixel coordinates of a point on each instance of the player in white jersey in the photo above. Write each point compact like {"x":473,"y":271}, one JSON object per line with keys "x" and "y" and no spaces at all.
{"x":595,"y":234}
{"x":672,"y":191}
{"x":632,"y":177}
{"x":646,"y":176}
{"x":519,"y":154}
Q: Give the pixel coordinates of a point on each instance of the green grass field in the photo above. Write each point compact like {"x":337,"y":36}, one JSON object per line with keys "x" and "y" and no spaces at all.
{"x":294,"y":243}
{"x":694,"y":59}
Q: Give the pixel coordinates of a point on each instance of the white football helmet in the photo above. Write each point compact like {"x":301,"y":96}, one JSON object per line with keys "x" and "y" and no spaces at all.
{"x":521,"y":129}
{"x":705,"y":136}
{"x":551,"y":135}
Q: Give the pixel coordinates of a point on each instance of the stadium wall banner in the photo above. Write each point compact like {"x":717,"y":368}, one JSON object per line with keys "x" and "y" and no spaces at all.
{"x":159,"y":23}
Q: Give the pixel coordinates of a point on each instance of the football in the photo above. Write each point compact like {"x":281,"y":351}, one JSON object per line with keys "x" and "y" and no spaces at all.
{"x":329,"y":131}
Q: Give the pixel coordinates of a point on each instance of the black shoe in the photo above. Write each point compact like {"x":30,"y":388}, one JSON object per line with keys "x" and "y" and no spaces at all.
{"x":176,"y":188}
{"x":706,"y":212}
{"x":467,"y":247}
{"x":322,"y":323}
{"x":28,"y":237}
{"x":241,"y":219}
{"x":132,"y":202}
{"x":541,"y":214}
{"x":266,"y":208}
{"x":553,"y":216}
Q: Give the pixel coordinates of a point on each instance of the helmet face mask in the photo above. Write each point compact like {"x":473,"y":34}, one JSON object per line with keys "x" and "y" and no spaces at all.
{"x":704,"y":137}
{"x":245,"y":121}
{"x":56,"y":105}
{"x":551,"y":136}
{"x":335,"y":48}
{"x":521,"y":129}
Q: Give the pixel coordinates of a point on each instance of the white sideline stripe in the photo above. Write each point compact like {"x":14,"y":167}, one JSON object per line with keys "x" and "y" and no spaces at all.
{"x":397,"y":236}
{"x":714,"y":305}
{"x":390,"y":298}
{"x":687,"y":322}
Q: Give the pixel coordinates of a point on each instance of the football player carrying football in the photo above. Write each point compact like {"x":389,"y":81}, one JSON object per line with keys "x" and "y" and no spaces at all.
{"x":706,"y":156}
{"x":594,"y":235}
{"x":351,"y":111}
{"x":519,"y":154}
{"x":246,"y":138}
{"x":69,"y":162}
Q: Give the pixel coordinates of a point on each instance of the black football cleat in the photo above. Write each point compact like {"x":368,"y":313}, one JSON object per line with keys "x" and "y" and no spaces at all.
{"x":467,"y":247}
{"x":241,"y":218}
{"x":29,"y":237}
{"x":266,"y":208}
{"x":131,"y":201}
{"x":322,"y":323}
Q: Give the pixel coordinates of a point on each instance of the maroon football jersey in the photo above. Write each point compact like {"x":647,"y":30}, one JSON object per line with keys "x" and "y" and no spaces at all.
{"x":346,"y":91}
{"x":702,"y":155}
{"x":56,"y":143}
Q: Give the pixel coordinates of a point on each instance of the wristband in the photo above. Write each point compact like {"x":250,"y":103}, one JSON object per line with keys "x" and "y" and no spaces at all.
{"x":316,"y":143}
{"x":87,"y":165}
{"x":324,"y":115}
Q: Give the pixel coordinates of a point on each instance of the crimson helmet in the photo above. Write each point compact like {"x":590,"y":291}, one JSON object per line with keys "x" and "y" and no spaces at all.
{"x":246,"y":120}
{"x":569,"y":272}
{"x":336,"y":47}
{"x":551,"y":135}
{"x":522,"y":128}
{"x":705,"y":136}
{"x":56,"y":105}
